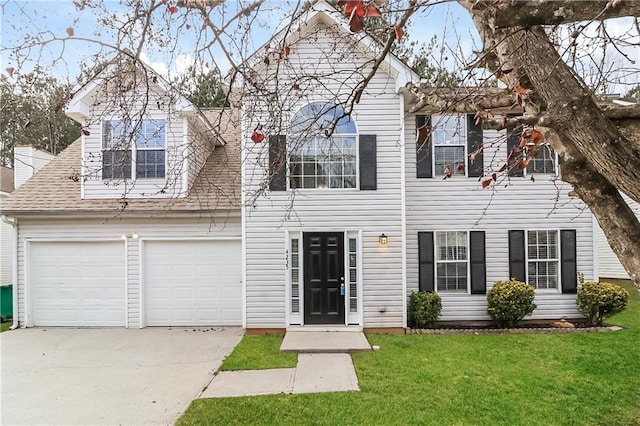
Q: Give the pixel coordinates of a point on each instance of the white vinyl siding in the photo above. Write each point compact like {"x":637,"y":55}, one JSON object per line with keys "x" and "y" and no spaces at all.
{"x":106,"y":228}
{"x":461,"y":203}
{"x":27,"y":161}
{"x":369,"y":212}
{"x":6,"y":252}
{"x":608,"y":264}
{"x":169,"y":184}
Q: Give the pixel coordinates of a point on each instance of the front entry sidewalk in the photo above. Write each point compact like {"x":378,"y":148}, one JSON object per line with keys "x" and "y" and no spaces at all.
{"x":325,"y":340}
{"x":314,"y":373}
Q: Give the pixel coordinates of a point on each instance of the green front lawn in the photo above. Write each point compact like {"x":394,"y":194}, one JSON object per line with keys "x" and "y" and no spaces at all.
{"x":533,"y":379}
{"x":259,"y":353}
{"x":5,"y":326}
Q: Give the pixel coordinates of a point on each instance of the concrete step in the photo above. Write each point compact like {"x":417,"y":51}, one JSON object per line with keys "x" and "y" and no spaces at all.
{"x":314,"y":341}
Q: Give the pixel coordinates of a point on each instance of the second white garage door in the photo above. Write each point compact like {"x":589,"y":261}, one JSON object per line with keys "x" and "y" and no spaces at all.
{"x":192,"y":283}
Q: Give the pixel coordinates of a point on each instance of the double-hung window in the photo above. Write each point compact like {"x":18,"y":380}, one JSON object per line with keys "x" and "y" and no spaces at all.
{"x":150,"y":144}
{"x":126,"y":147}
{"x":318,"y":161}
{"x":542,"y":259}
{"x":116,"y":149}
{"x":542,"y":158}
{"x":449,"y":144}
{"x":544,"y":161}
{"x":452,"y":259}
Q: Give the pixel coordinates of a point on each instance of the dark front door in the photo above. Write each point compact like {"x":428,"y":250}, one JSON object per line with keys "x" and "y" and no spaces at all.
{"x":324,"y":278}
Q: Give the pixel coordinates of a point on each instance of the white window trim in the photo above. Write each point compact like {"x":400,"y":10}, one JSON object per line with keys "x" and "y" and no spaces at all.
{"x":558,"y":288}
{"x":357,"y":149}
{"x":134,"y":149}
{"x":436,"y":261}
{"x":465,"y":144}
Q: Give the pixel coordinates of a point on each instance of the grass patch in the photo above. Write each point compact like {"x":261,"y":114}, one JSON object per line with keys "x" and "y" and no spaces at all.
{"x":259,"y":353}
{"x":533,"y":379}
{"x":5,"y":326}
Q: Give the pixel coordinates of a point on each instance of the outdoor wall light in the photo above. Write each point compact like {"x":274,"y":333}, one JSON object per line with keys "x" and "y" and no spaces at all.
{"x":382,"y":239}
{"x":130,"y":234}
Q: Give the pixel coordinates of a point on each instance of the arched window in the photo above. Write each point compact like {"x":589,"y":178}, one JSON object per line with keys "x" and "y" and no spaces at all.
{"x":317,"y":161}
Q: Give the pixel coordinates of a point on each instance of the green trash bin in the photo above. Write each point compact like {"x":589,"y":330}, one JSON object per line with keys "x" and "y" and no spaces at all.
{"x":6,"y":302}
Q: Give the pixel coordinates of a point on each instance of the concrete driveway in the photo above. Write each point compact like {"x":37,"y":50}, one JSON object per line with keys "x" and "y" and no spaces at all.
{"x":107,"y":376}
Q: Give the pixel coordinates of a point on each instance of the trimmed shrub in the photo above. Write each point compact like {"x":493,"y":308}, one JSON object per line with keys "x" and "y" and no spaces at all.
{"x":597,"y":301}
{"x":424,"y":309}
{"x":510,"y":301}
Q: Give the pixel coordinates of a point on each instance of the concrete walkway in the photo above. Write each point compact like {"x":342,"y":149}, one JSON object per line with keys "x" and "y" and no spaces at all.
{"x":346,"y":340}
{"x":324,"y":365}
{"x":332,"y":372}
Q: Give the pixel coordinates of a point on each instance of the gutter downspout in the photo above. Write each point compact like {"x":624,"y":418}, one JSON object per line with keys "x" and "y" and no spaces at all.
{"x":14,"y":224}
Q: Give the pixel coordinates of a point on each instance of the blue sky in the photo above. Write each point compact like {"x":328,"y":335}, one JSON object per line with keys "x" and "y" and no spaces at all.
{"x":53,"y":17}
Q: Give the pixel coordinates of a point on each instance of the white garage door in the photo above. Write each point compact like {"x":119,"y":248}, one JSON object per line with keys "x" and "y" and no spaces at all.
{"x":189,"y":283}
{"x":77,"y":283}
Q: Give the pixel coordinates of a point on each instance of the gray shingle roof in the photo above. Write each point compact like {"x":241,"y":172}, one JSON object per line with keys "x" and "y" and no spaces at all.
{"x":56,"y":188}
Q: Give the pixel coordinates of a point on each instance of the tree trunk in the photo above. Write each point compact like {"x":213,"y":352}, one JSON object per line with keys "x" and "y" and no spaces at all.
{"x":600,"y":160}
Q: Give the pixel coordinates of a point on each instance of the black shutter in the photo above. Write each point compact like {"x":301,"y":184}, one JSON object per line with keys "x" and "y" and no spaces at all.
{"x":513,"y":143}
{"x":478,"y":262}
{"x":569,"y":275}
{"x":278,"y":163}
{"x":516,"y":255}
{"x":423,"y":147}
{"x":474,"y":142}
{"x":368,"y":162}
{"x":425,"y":261}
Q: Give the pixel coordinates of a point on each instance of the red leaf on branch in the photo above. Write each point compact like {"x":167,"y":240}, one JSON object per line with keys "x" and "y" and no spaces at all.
{"x":287,"y":50}
{"x":258,"y":134}
{"x":399,"y":32}
{"x":486,"y":183}
{"x":524,"y":163}
{"x":474,"y":154}
{"x":447,"y":172}
{"x":86,"y":132}
{"x":188,"y":26}
{"x":356,"y":10}
{"x":355,"y":22}
{"x":523,"y":141}
{"x":10,"y":71}
{"x":70,"y":31}
{"x":422,"y":134}
{"x":173,"y":9}
{"x":494,"y":176}
{"x":295,"y":86}
{"x":257,"y":137}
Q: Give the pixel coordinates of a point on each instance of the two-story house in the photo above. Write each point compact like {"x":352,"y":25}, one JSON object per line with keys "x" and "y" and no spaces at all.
{"x":310,"y":209}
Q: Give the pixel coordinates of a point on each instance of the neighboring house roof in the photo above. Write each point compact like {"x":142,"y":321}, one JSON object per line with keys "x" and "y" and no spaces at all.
{"x":6,"y":180}
{"x":56,"y":189}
